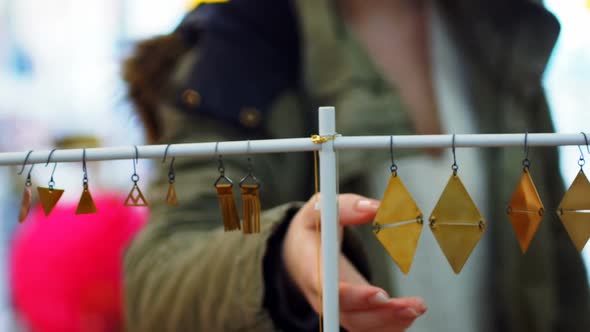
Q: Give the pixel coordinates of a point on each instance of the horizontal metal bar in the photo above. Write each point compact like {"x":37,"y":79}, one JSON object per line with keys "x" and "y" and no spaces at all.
{"x":294,"y":145}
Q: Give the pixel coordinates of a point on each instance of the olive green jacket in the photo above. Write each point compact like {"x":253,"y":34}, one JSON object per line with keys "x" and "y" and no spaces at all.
{"x":183,"y":273}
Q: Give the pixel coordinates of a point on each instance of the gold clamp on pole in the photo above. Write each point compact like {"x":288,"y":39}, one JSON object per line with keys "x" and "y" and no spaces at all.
{"x":317,"y":139}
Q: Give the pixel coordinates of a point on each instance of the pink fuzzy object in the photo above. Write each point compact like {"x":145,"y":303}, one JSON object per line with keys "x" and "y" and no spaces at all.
{"x":66,"y":269}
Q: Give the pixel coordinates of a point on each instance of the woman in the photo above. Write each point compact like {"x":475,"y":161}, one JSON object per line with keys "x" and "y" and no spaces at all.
{"x":243,"y":70}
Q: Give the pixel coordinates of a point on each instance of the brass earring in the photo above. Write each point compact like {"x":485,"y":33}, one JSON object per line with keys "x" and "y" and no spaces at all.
{"x":86,"y":204}
{"x":27,"y":198}
{"x":250,"y":189}
{"x":49,"y":196}
{"x":575,"y":205}
{"x":171,"y":199}
{"x":456,"y":222}
{"x":135,"y":197}
{"x":398,"y":223}
{"x":225,"y":195}
{"x":525,"y":209}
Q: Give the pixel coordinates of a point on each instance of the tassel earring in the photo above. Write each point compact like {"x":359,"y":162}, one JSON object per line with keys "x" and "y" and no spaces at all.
{"x":456,"y":223}
{"x":575,"y":205}
{"x":49,"y":196}
{"x":225,"y":195}
{"x":398,"y":223}
{"x":250,"y":189}
{"x":27,"y":198}
{"x":525,"y":209}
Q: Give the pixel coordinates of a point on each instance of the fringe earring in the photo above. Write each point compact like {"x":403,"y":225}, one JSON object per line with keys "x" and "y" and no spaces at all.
{"x":225,"y":195}
{"x":250,"y":189}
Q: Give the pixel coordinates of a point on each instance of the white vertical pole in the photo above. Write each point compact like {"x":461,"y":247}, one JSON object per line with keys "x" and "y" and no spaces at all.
{"x":329,"y":221}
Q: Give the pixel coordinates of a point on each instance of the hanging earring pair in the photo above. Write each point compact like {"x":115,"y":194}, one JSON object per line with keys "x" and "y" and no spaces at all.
{"x":575,"y":206}
{"x":249,"y":188}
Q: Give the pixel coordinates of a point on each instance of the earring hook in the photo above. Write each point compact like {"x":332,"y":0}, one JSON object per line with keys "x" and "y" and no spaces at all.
{"x":586,"y":140}
{"x":582,"y":161}
{"x":85,"y":178}
{"x":393,"y":167}
{"x":454,"y":167}
{"x":135,"y":177}
{"x":51,"y":182}
{"x":171,"y":175}
{"x":526,"y":163}
{"x":250,"y":175}
{"x":25,"y":162}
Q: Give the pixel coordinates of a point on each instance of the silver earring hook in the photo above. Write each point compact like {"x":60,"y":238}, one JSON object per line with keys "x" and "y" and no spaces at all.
{"x":393,"y":167}
{"x":454,"y":167}
{"x":25,"y":162}
{"x":250,"y":175}
{"x":51,"y":182}
{"x":526,"y":163}
{"x":84,"y":169}
{"x":581,"y":160}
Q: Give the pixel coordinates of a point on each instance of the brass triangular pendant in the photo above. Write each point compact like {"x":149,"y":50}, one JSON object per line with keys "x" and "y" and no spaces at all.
{"x":171,"y":195}
{"x":525,"y":210}
{"x":25,"y":205}
{"x":574,"y":211}
{"x":86,"y":204}
{"x":49,"y":198}
{"x":456,"y":223}
{"x":398,"y":224}
{"x":135,"y":197}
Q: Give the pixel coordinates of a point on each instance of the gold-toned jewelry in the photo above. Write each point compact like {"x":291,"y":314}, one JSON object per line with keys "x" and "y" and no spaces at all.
{"x":525,"y":209}
{"x":250,"y":190}
{"x":27,"y":197}
{"x":574,"y":209}
{"x":86,"y":204}
{"x":456,"y":223}
{"x":398,"y":223}
{"x":135,"y":197}
{"x":49,"y":196}
{"x":171,"y":199}
{"x":225,"y":195}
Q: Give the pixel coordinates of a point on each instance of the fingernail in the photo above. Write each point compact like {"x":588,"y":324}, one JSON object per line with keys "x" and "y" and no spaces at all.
{"x":408,"y":313}
{"x":365,"y":205}
{"x":379,"y":298}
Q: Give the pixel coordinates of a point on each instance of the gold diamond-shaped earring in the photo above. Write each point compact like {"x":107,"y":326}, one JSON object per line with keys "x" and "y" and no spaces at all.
{"x":574,"y":209}
{"x":398,"y":223}
{"x":525,"y":209}
{"x":456,"y":222}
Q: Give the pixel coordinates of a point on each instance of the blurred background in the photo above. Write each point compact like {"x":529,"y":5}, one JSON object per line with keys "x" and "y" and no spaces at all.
{"x":59,"y":81}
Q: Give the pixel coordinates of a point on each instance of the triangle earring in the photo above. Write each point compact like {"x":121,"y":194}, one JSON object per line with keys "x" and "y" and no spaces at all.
{"x":525,"y":209}
{"x":49,"y":196}
{"x":86,"y":204}
{"x":27,"y":198}
{"x":250,"y":189}
{"x":171,"y":199}
{"x":574,"y":209}
{"x":135,"y":197}
{"x":225,"y":195}
{"x":456,"y":223}
{"x":398,"y":223}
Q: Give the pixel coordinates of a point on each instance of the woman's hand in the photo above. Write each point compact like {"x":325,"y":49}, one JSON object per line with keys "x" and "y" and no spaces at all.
{"x":363,"y":307}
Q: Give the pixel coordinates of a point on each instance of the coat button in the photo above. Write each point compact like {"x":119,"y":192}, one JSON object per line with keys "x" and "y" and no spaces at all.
{"x":191,"y":98}
{"x":250,"y":117}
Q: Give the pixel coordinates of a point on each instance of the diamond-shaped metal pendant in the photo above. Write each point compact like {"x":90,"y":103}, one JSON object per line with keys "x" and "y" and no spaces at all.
{"x":525,"y":210}
{"x":456,"y":223}
{"x":574,"y":211}
{"x":398,"y":224}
